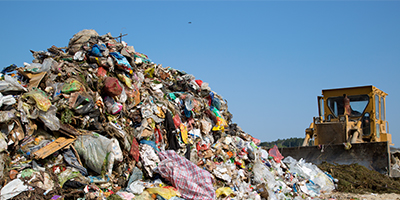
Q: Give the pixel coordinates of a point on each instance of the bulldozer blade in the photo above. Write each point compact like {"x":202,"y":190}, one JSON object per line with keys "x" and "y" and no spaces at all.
{"x":374,"y":155}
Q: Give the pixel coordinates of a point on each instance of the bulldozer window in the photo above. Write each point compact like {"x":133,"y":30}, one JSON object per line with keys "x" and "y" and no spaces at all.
{"x":383,"y":109}
{"x":358,"y":103}
{"x":377,"y":106}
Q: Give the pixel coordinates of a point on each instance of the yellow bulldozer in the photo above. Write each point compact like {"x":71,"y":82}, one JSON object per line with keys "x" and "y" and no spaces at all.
{"x":351,"y":128}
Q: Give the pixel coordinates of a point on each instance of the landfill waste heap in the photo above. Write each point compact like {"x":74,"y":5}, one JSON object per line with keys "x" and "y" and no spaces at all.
{"x":98,"y":120}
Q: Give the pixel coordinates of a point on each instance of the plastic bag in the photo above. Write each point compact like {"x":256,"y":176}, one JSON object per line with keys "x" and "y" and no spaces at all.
{"x":7,"y":100}
{"x":263,"y":154}
{"x":79,"y":56}
{"x":199,"y":82}
{"x":224,"y":191}
{"x":38,"y":68}
{"x":83,"y":104}
{"x":98,"y":152}
{"x":112,"y":106}
{"x":33,"y":67}
{"x":122,"y":62}
{"x":72,"y":86}
{"x":136,"y":187}
{"x":122,"y":97}
{"x":177,"y":120}
{"x":184,"y":133}
{"x":98,"y":49}
{"x":216,"y":103}
{"x":274,"y":152}
{"x":42,"y":101}
{"x":126,"y":80}
{"x":112,"y":87}
{"x":125,"y":195}
{"x":165,"y":192}
{"x":47,"y":64}
{"x":50,"y":119}
{"x":136,"y":175}
{"x":12,"y":189}
{"x":57,"y":89}
{"x":10,"y":84}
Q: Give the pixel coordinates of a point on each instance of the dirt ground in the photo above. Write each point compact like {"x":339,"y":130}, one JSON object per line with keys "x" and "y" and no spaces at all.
{"x":358,"y":182}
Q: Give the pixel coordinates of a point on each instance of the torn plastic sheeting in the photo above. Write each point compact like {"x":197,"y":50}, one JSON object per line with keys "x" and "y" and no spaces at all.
{"x":185,"y":176}
{"x":50,"y":119}
{"x":71,"y":159}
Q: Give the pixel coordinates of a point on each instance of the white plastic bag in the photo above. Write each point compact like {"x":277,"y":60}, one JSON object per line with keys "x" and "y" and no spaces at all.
{"x":10,"y":84}
{"x":12,"y":189}
{"x":97,"y":151}
{"x":38,"y":67}
{"x":7,"y":100}
{"x":137,"y":187}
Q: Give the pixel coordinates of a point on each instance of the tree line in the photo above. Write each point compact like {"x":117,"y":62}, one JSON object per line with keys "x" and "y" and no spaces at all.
{"x":291,"y":142}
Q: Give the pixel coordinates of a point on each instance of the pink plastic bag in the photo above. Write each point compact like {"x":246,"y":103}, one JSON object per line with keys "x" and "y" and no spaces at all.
{"x":177,"y":121}
{"x":274,"y":152}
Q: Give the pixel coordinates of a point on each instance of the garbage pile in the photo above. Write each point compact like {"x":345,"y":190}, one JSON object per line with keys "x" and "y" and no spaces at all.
{"x":98,"y":120}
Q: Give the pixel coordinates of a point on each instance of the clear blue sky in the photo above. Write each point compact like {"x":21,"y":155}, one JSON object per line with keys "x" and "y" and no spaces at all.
{"x":268,"y":59}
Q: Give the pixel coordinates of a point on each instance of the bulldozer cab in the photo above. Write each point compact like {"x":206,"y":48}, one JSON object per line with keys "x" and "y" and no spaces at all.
{"x":350,"y":115}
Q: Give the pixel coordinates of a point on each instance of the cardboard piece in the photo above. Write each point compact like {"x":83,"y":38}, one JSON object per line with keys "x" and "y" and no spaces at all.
{"x":54,"y":146}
